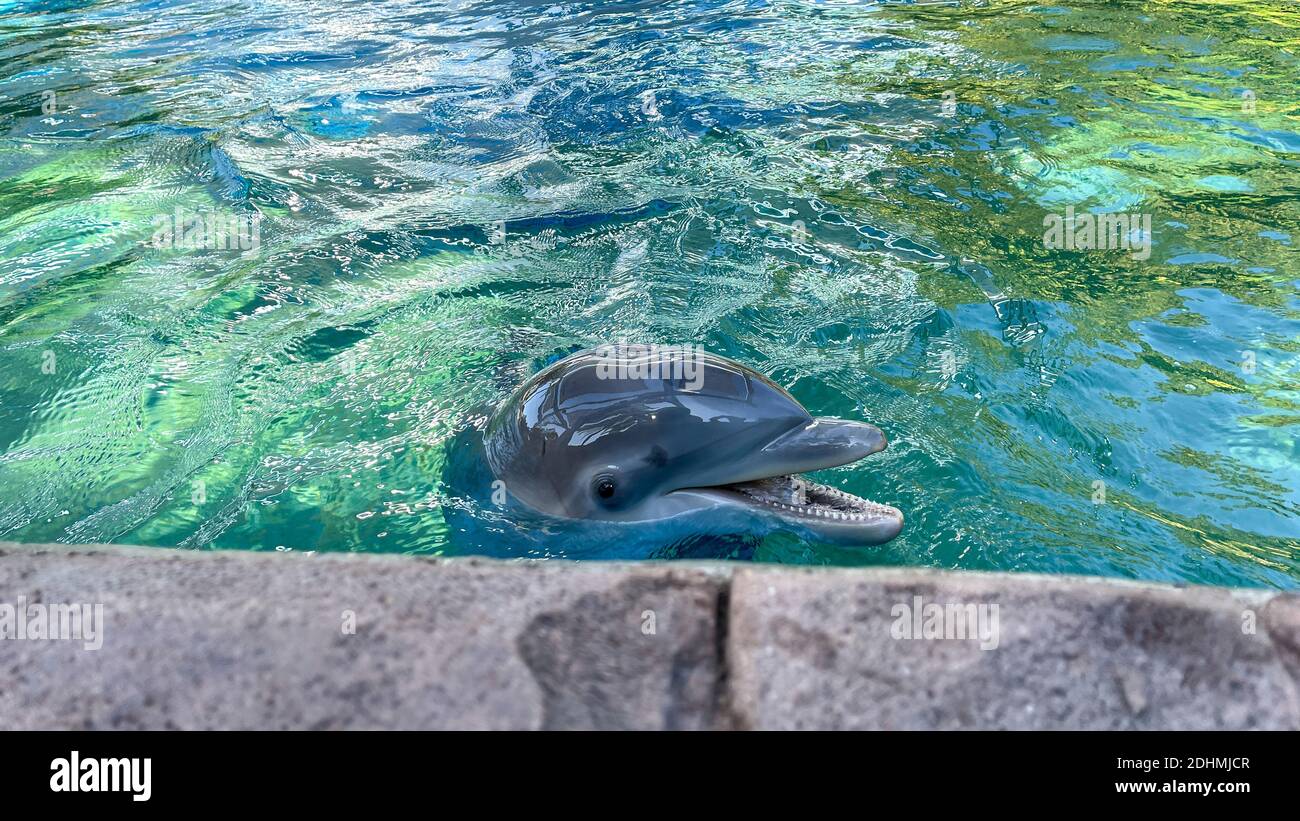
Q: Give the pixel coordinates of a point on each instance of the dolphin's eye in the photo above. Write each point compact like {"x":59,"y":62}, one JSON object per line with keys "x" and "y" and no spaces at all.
{"x":605,"y":486}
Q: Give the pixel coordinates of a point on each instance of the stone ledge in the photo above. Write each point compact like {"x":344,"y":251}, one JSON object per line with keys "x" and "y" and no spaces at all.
{"x":253,"y":640}
{"x":816,"y":651}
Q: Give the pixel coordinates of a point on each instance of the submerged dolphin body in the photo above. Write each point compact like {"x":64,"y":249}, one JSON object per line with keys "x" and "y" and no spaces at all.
{"x":687,"y":442}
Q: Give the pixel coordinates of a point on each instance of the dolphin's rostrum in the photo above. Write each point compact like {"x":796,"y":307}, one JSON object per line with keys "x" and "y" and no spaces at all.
{"x":652,"y":442}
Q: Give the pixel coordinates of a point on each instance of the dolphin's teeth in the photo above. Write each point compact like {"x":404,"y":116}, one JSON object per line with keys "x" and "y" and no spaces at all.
{"x":797,"y":498}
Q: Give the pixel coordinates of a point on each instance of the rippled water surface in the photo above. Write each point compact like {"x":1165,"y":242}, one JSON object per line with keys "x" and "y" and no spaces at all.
{"x":849,"y":197}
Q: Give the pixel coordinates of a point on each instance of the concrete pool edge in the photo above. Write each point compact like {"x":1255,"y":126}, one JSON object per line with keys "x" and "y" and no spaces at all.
{"x":234,"y":640}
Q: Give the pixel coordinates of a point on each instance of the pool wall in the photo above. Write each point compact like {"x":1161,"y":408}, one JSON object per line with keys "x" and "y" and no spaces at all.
{"x":222,"y":639}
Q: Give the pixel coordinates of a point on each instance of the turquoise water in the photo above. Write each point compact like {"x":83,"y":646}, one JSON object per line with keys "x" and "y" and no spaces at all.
{"x":436,"y":199}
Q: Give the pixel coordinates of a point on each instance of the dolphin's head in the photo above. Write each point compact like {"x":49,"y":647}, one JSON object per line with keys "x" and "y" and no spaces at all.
{"x":639,"y":434}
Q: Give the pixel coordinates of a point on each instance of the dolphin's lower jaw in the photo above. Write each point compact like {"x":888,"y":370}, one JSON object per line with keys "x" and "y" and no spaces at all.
{"x":820,"y":511}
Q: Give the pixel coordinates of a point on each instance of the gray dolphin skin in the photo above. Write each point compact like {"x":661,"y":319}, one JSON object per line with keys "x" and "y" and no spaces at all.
{"x":645,"y":434}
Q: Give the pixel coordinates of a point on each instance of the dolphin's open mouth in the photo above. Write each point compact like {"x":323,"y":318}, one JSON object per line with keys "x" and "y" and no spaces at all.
{"x":818,"y":510}
{"x":828,"y":513}
{"x":801,"y":497}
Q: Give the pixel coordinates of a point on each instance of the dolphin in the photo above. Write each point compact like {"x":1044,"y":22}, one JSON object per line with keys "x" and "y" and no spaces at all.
{"x":648,"y":434}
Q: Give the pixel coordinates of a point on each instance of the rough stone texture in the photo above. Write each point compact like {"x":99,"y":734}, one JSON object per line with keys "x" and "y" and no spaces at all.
{"x":248,"y":640}
{"x":251,"y":640}
{"x":814,"y":650}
